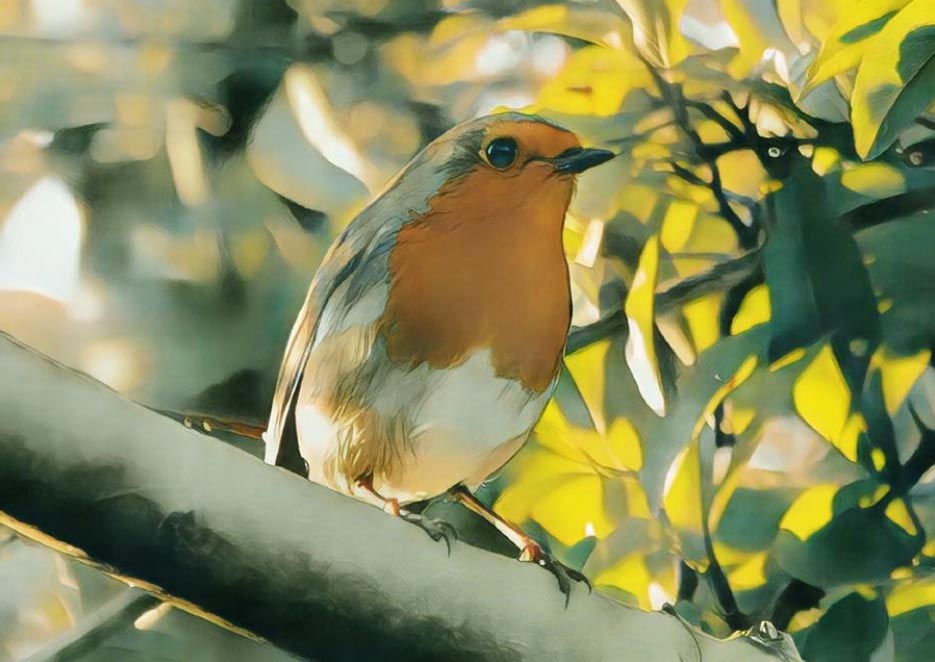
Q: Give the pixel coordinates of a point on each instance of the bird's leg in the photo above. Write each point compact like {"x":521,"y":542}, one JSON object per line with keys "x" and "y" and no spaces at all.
{"x":390,"y":506}
{"x":529,"y":550}
{"x":437,"y":529}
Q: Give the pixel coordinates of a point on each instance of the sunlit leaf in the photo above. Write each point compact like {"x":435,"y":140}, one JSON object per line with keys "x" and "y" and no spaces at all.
{"x":898,"y":512}
{"x":594,"y":81}
{"x":754,"y":310}
{"x":874,"y":180}
{"x":812,"y":510}
{"x":758,"y":28}
{"x":899,"y":373}
{"x":897,"y":83}
{"x":656,"y":29}
{"x":822,"y":397}
{"x":751,"y":574}
{"x":640,"y":349}
{"x":848,"y":39}
{"x":574,"y":509}
{"x":588,"y":368}
{"x":590,"y":24}
{"x":631,"y":575}
{"x":911,"y":595}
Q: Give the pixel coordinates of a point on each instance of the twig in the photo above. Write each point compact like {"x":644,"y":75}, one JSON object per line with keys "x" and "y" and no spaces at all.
{"x":890,"y":209}
{"x":672,"y":94}
{"x":922,"y":459}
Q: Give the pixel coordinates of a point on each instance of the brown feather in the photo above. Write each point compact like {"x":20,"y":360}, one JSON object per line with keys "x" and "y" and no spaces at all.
{"x":485,"y":268}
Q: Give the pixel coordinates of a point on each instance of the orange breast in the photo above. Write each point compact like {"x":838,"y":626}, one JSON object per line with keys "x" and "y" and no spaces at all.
{"x":484,"y":268}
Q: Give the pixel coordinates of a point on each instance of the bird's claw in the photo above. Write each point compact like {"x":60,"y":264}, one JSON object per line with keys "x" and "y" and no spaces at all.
{"x":533,"y":553}
{"x":436,"y":528}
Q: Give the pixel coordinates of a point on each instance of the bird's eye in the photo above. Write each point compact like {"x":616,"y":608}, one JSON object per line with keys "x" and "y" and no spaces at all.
{"x":501,"y":152}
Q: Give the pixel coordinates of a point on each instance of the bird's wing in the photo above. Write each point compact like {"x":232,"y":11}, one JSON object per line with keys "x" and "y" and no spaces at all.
{"x":358,"y":259}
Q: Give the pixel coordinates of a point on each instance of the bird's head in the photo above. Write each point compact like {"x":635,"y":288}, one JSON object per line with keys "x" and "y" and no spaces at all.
{"x":509,"y":165}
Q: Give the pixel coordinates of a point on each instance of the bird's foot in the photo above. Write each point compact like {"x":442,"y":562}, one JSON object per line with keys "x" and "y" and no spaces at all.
{"x":436,"y":528}
{"x":533,"y":553}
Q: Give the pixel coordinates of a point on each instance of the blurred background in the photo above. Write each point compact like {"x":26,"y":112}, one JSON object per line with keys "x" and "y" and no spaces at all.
{"x":172,"y":172}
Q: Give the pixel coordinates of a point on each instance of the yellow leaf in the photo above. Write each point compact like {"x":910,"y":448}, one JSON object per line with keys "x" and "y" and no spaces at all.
{"x":875,"y":180}
{"x":536,"y":472}
{"x":794,"y":356}
{"x":742,"y":172}
{"x":757,"y":27}
{"x":594,"y":81}
{"x":567,"y":511}
{"x":898,"y":374}
{"x":677,"y":225}
{"x":898,"y":513}
{"x":825,"y":159}
{"x":682,"y":498}
{"x":587,"y":367}
{"x":812,"y":510}
{"x":623,"y":444}
{"x":631,"y":575}
{"x":554,"y":432}
{"x":850,"y":435}
{"x":702,"y":316}
{"x":881,"y":106}
{"x":750,"y":575}
{"x":637,"y":502}
{"x":596,"y":26}
{"x":821,"y":395}
{"x":743,"y":374}
{"x":878,"y":457}
{"x":804,"y":19}
{"x":909,"y":596}
{"x":848,"y":39}
{"x":872,"y":499}
{"x":754,"y":310}
{"x":656,"y":31}
{"x":640,"y":348}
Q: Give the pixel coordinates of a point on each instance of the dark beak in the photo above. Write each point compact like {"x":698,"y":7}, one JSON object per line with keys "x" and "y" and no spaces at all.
{"x":579,"y":159}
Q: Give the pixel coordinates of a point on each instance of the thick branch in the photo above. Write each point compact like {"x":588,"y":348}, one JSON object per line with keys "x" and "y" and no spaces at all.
{"x":310,"y":570}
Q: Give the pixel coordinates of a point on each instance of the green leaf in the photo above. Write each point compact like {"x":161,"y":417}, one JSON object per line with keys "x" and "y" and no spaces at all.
{"x":817,"y":280}
{"x":845,"y":45}
{"x":896,"y":84}
{"x":852,"y":629}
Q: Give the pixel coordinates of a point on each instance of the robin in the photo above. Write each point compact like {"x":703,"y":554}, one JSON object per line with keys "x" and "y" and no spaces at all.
{"x":432,"y":335}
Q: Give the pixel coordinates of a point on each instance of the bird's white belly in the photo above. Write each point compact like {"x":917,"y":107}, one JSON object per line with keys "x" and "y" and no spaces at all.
{"x":463,"y":424}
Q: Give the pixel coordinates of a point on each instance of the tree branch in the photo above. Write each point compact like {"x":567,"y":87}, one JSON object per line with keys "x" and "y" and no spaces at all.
{"x":256,"y":548}
{"x":723,"y":276}
{"x":890,"y":209}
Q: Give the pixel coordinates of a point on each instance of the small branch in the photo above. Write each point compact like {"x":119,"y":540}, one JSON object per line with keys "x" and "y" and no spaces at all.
{"x":720,"y":277}
{"x":922,"y":459}
{"x":890,"y":209}
{"x":672,"y":94}
{"x":735,"y":135}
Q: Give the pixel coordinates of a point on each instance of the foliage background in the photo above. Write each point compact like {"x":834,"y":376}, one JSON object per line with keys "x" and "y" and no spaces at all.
{"x":172,"y":173}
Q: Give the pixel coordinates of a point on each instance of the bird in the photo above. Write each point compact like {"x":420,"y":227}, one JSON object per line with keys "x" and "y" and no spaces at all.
{"x":432,"y":335}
